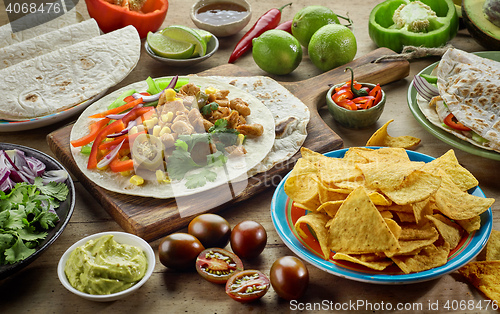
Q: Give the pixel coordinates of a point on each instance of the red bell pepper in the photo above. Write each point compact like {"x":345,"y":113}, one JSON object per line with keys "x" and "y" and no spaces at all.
{"x":130,"y":104}
{"x":364,"y":102}
{"x":453,"y":123}
{"x":341,"y":95}
{"x":95,"y":127}
{"x":114,"y":127}
{"x":347,"y":104}
{"x":118,"y":165}
{"x":111,"y":17}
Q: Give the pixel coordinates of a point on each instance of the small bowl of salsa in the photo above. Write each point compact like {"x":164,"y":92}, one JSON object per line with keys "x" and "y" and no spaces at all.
{"x":221,"y":17}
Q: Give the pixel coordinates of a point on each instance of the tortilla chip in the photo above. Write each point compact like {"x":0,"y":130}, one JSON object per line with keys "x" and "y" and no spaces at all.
{"x":420,"y":210}
{"x":405,"y":217}
{"x":450,"y":231}
{"x":377,"y":265}
{"x":470,"y":225}
{"x":387,"y":175}
{"x":393,"y":226}
{"x":327,"y":194}
{"x":448,"y":162}
{"x":457,"y":204}
{"x":311,"y":156}
{"x":353,"y":155}
{"x":303,"y":189}
{"x":330,"y":207}
{"x":317,"y":222}
{"x":386,"y":214}
{"x":429,"y":257}
{"x":485,"y":276}
{"x":382,"y":138}
{"x":334,"y":170}
{"x":379,"y":199}
{"x":358,"y":227}
{"x":415,"y":232}
{"x":416,"y":187}
{"x":493,"y":246}
{"x":412,"y":247}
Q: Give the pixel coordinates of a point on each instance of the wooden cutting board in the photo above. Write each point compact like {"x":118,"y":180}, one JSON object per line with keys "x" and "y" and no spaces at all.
{"x":152,"y":218}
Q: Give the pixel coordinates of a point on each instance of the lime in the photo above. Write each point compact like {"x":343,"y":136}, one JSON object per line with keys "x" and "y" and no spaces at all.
{"x":206,"y":36}
{"x":308,"y":20}
{"x":331,"y":46}
{"x":276,"y":52}
{"x":169,"y":48}
{"x":186,"y":34}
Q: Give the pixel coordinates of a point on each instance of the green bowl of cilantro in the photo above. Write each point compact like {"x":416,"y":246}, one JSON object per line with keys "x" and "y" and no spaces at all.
{"x":33,"y":214}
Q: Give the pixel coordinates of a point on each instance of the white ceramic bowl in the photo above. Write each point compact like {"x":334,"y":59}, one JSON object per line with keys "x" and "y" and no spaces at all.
{"x":222,"y":30}
{"x":120,"y":237}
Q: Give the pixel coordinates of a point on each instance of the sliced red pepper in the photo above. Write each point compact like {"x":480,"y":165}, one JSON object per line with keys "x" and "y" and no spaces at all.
{"x":377,"y":93}
{"x":95,"y":127}
{"x":347,"y":85}
{"x":120,"y":109}
{"x":347,"y":104}
{"x":114,"y":127}
{"x":341,"y":95}
{"x":453,"y":123}
{"x":364,"y":102}
{"x":118,"y":165}
{"x":131,"y":98}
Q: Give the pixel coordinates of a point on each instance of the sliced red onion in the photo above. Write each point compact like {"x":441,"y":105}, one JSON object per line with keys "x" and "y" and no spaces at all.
{"x":54,"y":176}
{"x":130,"y":125}
{"x":156,"y":96}
{"x":424,"y":88}
{"x":36,"y":166}
{"x":109,"y":157}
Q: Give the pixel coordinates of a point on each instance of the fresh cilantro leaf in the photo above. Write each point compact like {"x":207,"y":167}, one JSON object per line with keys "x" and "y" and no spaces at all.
{"x":59,"y":191}
{"x":199,"y":179}
{"x":31,"y":236}
{"x":179,"y":163}
{"x":219,"y":126}
{"x":209,"y":108}
{"x":48,"y":220}
{"x":179,"y":144}
{"x":15,"y":220}
{"x":17,"y":252}
{"x":216,"y":159}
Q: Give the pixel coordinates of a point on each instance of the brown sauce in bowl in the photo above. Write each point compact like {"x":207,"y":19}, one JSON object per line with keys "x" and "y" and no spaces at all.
{"x":220,"y":13}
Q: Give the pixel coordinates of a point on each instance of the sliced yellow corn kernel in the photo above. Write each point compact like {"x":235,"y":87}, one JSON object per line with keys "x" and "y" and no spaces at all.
{"x":170,"y":94}
{"x":162,"y":177}
{"x":240,"y":139}
{"x":149,"y":124}
{"x":167,"y":117}
{"x":210,"y":90}
{"x":126,"y":173}
{"x":165,"y":130}
{"x":133,"y":130}
{"x":136,"y":180}
{"x":156,"y":130}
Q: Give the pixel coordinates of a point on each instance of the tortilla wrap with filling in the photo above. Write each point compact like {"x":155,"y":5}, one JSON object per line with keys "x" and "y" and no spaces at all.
{"x":469,"y":85}
{"x":7,"y":37}
{"x":48,"y":42}
{"x":290,"y":114}
{"x":66,"y":77}
{"x":257,"y":148}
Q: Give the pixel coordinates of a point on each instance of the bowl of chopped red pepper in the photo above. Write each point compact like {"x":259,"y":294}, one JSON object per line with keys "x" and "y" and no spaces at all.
{"x":355,"y":105}
{"x":144,"y":15}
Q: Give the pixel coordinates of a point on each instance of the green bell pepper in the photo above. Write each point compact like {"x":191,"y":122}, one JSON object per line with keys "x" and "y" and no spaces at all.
{"x":428,"y":23}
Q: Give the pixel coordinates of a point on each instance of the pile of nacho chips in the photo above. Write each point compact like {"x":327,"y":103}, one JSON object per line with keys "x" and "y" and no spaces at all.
{"x":376,"y":208}
{"x":485,"y":275}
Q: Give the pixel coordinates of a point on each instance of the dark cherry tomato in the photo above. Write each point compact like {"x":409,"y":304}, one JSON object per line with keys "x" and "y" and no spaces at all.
{"x":179,"y":250}
{"x":248,"y":239}
{"x":212,"y":230}
{"x":289,"y":277}
{"x":248,"y":285}
{"x":217,"y":265}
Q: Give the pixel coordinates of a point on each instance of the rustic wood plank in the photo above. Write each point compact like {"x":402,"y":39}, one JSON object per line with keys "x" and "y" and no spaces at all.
{"x":152,"y":218}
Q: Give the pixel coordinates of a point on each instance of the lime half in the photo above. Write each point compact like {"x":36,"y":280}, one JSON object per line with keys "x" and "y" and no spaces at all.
{"x":169,"y":48}
{"x":189,"y":35}
{"x":206,"y":36}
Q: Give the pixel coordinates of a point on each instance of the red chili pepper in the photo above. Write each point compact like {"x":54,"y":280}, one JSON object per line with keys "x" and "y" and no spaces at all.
{"x":267,"y":21}
{"x":453,"y":123}
{"x":364,"y":102}
{"x":347,"y":104}
{"x":342,"y":94}
{"x":286,"y":26}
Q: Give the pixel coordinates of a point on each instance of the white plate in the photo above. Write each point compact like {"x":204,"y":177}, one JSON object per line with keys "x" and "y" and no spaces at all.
{"x":14,"y":126}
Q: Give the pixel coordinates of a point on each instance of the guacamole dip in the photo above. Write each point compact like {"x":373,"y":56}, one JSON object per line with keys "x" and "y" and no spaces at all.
{"x":103,"y":266}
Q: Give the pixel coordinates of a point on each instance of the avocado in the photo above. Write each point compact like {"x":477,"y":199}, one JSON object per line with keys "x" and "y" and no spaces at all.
{"x":486,"y":33}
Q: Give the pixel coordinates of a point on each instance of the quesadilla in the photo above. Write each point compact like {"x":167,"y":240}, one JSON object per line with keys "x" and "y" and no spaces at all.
{"x":468,"y":103}
{"x":48,"y":42}
{"x":170,"y":168}
{"x":68,"y":76}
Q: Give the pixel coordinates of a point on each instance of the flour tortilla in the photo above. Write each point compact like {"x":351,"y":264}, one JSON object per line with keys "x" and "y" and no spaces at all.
{"x":470,"y":87}
{"x":7,"y":37}
{"x":290,"y":114}
{"x":66,"y":77}
{"x":236,"y":170}
{"x":48,"y":42}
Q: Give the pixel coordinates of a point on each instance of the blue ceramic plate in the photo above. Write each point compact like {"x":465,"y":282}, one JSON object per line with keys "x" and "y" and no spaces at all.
{"x":438,"y":132}
{"x":284,"y":215}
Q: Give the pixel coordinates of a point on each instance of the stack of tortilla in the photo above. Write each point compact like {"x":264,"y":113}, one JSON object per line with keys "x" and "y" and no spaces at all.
{"x":45,"y":71}
{"x":469,"y":85}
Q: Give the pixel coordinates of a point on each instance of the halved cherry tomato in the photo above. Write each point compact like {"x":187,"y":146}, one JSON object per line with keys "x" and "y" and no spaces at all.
{"x":218,"y":265}
{"x":248,"y":285}
{"x":453,"y":123}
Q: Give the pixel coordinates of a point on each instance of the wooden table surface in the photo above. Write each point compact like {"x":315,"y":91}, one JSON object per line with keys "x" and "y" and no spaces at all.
{"x":37,"y":288}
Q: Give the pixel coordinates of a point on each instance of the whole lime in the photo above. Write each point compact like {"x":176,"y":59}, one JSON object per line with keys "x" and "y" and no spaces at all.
{"x":308,"y":20}
{"x":331,"y":46}
{"x":277,"y":52}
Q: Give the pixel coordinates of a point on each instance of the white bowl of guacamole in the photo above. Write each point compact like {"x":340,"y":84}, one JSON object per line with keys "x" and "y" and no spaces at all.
{"x":106,"y":266}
